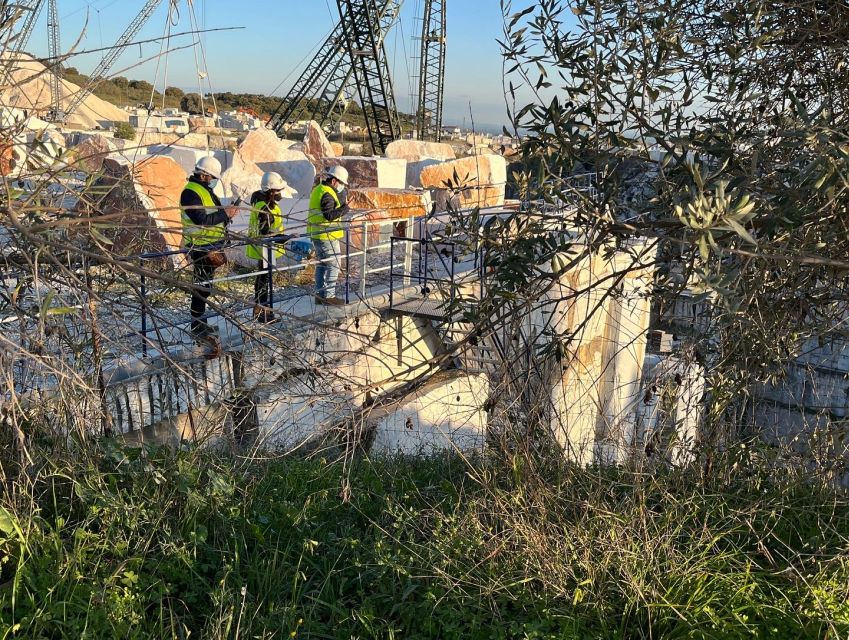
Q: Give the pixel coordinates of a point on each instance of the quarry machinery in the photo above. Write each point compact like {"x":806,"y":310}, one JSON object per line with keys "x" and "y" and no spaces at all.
{"x":431,"y":71}
{"x":55,"y":52}
{"x":354,"y":54}
{"x":31,"y":10}
{"x":322,"y":90}
{"x":114,"y":52}
{"x":367,"y":54}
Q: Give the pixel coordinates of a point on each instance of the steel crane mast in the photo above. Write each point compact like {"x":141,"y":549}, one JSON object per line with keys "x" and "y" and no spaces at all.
{"x":115,"y":52}
{"x":324,"y":84}
{"x":33,"y":7}
{"x":33,"y":11}
{"x":364,"y":43}
{"x":55,"y":52}
{"x":312,"y":83}
{"x":432,"y":71}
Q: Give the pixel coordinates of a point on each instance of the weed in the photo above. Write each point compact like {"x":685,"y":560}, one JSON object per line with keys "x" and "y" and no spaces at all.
{"x":154,"y":544}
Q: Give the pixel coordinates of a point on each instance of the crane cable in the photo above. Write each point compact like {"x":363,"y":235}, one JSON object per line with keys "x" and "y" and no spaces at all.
{"x":297,"y":66}
{"x":164,"y":49}
{"x":201,"y":74}
{"x":163,"y":53}
{"x":173,"y":21}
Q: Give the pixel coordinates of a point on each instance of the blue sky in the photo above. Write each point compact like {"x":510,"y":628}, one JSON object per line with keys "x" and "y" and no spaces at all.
{"x":276,"y":39}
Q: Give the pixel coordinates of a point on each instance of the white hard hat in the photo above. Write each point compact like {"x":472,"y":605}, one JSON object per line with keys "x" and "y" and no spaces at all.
{"x":271,"y":180}
{"x":210,"y":166}
{"x":340,"y":173}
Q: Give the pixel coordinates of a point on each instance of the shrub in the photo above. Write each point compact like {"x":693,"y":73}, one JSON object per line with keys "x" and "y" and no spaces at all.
{"x":191,"y":103}
{"x":141,"y":85}
{"x":125,"y":131}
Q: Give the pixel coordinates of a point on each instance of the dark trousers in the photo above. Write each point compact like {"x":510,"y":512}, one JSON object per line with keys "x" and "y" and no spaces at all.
{"x":202,"y":273}
{"x":262,"y":292}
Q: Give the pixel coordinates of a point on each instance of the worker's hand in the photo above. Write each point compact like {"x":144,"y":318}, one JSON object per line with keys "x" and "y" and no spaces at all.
{"x":231,"y":212}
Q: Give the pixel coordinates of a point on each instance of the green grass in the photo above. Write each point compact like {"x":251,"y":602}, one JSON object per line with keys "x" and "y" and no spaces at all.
{"x":150,"y":544}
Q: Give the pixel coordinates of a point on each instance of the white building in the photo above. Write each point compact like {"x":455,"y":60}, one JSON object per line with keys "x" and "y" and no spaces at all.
{"x":161,"y":122}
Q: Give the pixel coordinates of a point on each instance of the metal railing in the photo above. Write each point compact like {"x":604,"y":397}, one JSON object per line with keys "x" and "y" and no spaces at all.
{"x":424,"y":275}
{"x":364,"y":240}
{"x":357,"y":248}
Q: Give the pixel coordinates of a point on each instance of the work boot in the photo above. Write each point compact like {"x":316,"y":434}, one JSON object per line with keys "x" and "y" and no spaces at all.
{"x":206,"y":336}
{"x":201,"y":330}
{"x":263,"y":314}
{"x":331,"y":302}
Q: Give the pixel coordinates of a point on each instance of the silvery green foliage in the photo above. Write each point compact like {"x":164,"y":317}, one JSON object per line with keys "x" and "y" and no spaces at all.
{"x":716,"y":126}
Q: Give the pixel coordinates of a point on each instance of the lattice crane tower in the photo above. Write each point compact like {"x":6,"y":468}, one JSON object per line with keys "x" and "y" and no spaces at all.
{"x":432,"y":71}
{"x":353,"y":54}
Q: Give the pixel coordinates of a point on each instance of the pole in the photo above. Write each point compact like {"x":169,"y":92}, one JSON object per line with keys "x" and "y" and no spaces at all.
{"x":143,"y":292}
{"x":408,"y":250}
{"x":97,"y":352}
{"x":269,"y":287}
{"x":364,"y":261}
{"x":391,"y":269}
{"x":348,"y":265}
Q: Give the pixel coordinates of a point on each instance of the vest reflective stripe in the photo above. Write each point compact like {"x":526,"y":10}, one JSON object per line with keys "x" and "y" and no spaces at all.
{"x":199,"y":235}
{"x":319,"y":227}
{"x":260,"y":251}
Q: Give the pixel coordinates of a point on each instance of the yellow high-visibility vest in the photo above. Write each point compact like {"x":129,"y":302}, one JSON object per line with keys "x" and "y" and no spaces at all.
{"x":260,"y":251}
{"x":199,"y":235}
{"x":319,"y":227}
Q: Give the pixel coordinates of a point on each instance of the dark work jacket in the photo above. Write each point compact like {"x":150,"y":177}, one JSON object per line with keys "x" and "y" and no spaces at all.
{"x":190,"y":202}
{"x":330,"y":210}
{"x":264,"y":218}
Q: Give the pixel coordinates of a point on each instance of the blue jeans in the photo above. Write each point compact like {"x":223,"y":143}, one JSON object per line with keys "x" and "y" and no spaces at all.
{"x":326,"y":271}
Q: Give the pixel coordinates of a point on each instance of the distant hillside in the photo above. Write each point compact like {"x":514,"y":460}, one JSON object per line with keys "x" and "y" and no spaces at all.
{"x":123,"y":92}
{"x":30,"y":90}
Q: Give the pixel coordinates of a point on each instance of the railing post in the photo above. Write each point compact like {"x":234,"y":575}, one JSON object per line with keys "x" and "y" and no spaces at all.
{"x":143,"y":292}
{"x":364,"y":260}
{"x":348,"y":265}
{"x":270,"y":286}
{"x":424,"y":278}
{"x":408,"y":250}
{"x":391,"y":269}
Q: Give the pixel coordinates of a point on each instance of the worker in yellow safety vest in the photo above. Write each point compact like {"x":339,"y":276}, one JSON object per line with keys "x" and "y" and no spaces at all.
{"x":266,"y":220}
{"x":328,"y":203}
{"x":205,"y":223}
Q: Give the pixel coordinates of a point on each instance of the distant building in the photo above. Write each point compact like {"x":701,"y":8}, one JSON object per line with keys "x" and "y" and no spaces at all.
{"x":343,"y":128}
{"x":169,"y":121}
{"x":453,"y":133}
{"x":238,"y":121}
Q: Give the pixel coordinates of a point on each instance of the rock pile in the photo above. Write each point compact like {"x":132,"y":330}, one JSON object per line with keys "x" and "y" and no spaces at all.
{"x":142,"y":202}
{"x":476,"y":181}
{"x":317,"y":146}
{"x":141,"y":183}
{"x":29,"y":89}
{"x":262,"y":151}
